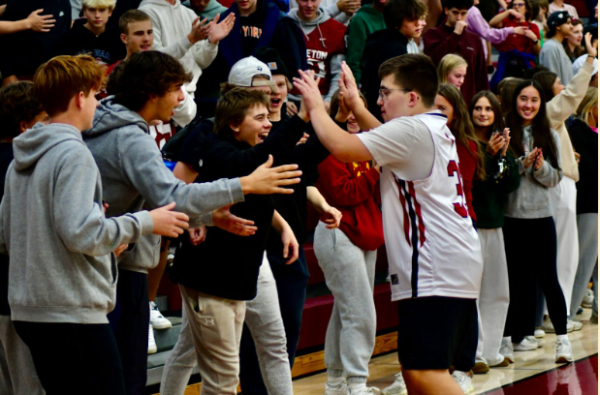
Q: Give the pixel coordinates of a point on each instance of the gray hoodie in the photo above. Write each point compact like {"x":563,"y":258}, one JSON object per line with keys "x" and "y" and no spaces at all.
{"x":53,"y":226}
{"x":532,"y":198}
{"x":335,"y":65}
{"x":134,"y":176}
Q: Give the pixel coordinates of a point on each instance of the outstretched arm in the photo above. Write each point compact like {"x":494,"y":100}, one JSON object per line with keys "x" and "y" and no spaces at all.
{"x":35,"y":22}
{"x":343,"y":146}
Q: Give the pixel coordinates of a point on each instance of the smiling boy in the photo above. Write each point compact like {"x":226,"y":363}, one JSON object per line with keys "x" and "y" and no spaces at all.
{"x":147,"y":87}
{"x":433,"y":250}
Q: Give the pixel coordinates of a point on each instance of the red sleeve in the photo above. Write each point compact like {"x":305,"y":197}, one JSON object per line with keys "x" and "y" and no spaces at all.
{"x":467,"y":166}
{"x":437,"y":47}
{"x":342,"y":187}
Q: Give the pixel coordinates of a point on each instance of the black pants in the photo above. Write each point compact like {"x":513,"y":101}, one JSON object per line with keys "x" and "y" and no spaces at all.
{"x":437,"y":332}
{"x":291,"y":289}
{"x":130,"y":321}
{"x":530,"y":246}
{"x":72,"y":359}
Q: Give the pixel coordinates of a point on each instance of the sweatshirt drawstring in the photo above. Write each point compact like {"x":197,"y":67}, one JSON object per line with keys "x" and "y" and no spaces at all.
{"x":321,"y":39}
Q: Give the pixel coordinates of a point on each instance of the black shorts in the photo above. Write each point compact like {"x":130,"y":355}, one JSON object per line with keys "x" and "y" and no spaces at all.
{"x":437,"y":333}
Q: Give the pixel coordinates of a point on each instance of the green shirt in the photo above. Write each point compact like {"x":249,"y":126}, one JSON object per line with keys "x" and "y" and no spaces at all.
{"x":366,"y":21}
{"x":489,"y":196}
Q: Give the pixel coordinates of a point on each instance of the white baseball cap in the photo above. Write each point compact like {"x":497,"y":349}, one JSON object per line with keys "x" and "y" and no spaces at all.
{"x":243,"y":72}
{"x":578,"y":64}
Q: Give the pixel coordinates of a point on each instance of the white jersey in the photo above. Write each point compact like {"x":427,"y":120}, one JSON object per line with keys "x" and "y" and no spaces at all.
{"x":433,"y":249}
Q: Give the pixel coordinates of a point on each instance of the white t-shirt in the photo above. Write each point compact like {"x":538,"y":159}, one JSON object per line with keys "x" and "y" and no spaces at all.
{"x":433,"y":249}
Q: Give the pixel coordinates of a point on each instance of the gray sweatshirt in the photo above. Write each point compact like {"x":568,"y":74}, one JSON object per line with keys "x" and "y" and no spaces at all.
{"x":554,"y":57}
{"x":532,"y":198}
{"x":53,"y":226}
{"x":134,"y":176}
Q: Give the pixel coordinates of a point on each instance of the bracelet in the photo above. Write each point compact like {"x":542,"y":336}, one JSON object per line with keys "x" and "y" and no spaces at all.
{"x":535,"y":42}
{"x":590,"y":56}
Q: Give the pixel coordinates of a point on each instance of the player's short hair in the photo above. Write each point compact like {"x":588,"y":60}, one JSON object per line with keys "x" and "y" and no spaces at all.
{"x":459,"y":4}
{"x":233,"y":106}
{"x":130,"y":17}
{"x":395,"y":11}
{"x":17,"y":104}
{"x":57,"y":81}
{"x":448,"y":63}
{"x":110,"y":4}
{"x":143,"y":74}
{"x":415,"y":72}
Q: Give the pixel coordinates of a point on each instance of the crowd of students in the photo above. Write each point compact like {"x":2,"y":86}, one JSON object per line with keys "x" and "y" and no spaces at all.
{"x":219,"y":123}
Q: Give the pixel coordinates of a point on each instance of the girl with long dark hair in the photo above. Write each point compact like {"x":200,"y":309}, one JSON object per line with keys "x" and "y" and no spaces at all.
{"x":561,"y":103}
{"x":529,"y":229}
{"x":489,"y":195}
{"x":450,"y":102}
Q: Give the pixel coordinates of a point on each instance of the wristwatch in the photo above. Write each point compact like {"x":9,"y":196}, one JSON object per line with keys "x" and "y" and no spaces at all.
{"x":535,"y":42}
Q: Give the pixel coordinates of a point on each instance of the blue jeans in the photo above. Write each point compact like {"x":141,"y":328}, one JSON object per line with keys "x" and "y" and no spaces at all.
{"x":291,"y":288}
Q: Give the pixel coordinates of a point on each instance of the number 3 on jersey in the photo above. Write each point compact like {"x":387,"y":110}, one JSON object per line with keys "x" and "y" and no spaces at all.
{"x":460,"y":207}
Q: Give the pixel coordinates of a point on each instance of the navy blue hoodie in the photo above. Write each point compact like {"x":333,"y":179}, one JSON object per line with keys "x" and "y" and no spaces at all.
{"x":266,"y":27}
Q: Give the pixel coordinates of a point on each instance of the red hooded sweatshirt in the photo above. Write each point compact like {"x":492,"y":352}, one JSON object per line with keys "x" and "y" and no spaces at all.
{"x":351,"y":187}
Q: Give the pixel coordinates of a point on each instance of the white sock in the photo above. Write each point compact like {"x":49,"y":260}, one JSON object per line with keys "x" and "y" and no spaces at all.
{"x":335,"y":381}
{"x":355,"y":387}
{"x":562,"y":337}
{"x":507,"y":338}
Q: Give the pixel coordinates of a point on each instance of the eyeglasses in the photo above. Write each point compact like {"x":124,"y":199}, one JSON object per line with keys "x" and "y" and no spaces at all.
{"x":518,"y":5}
{"x":384,"y":92}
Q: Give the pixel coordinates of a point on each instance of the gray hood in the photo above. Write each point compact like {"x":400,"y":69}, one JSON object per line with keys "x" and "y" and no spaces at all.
{"x":31,"y":146}
{"x":308,"y":27}
{"x":110,"y":116}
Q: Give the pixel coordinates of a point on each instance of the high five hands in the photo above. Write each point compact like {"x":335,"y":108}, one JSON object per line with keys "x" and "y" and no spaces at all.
{"x":311,"y":95}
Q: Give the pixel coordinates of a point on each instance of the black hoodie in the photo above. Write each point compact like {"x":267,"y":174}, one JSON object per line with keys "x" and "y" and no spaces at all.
{"x":106,"y":48}
{"x":226,"y":265}
{"x":381,"y":46}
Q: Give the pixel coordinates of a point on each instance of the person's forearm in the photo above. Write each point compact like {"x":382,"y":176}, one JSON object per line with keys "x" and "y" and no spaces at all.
{"x":497,"y":20}
{"x":314,"y":197}
{"x":343,"y":146}
{"x":278,"y":222}
{"x":8,"y":27}
{"x":366,"y":120}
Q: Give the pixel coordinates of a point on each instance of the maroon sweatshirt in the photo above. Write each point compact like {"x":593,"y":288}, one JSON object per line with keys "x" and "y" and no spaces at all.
{"x":442,"y":40}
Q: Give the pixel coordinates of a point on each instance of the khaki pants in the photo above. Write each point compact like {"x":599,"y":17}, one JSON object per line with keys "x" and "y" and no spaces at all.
{"x":216,"y":327}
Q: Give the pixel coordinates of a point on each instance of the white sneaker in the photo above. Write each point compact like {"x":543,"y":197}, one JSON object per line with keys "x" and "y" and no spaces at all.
{"x":526,"y":345}
{"x":564,"y":353}
{"x":366,"y":391}
{"x":576,"y":325}
{"x":540,"y":342}
{"x":506,"y":349}
{"x":539,"y":333}
{"x":157,"y":320}
{"x":398,"y":387}
{"x":341,"y":389}
{"x":152,"y":349}
{"x":588,"y":299}
{"x":549,"y":328}
{"x":464,"y":381}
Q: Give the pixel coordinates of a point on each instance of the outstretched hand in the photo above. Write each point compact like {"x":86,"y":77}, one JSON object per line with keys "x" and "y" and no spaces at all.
{"x":266,"y":180}
{"x":592,"y":49}
{"x":40,"y":23}
{"x":218,"y":31}
{"x":168,"y":222}
{"x":349,"y":88}
{"x":199,"y":31}
{"x":309,"y":89}
{"x":223,"y":219}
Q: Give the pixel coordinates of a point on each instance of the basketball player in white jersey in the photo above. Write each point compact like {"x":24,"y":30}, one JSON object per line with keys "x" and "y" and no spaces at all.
{"x":433,"y":251}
